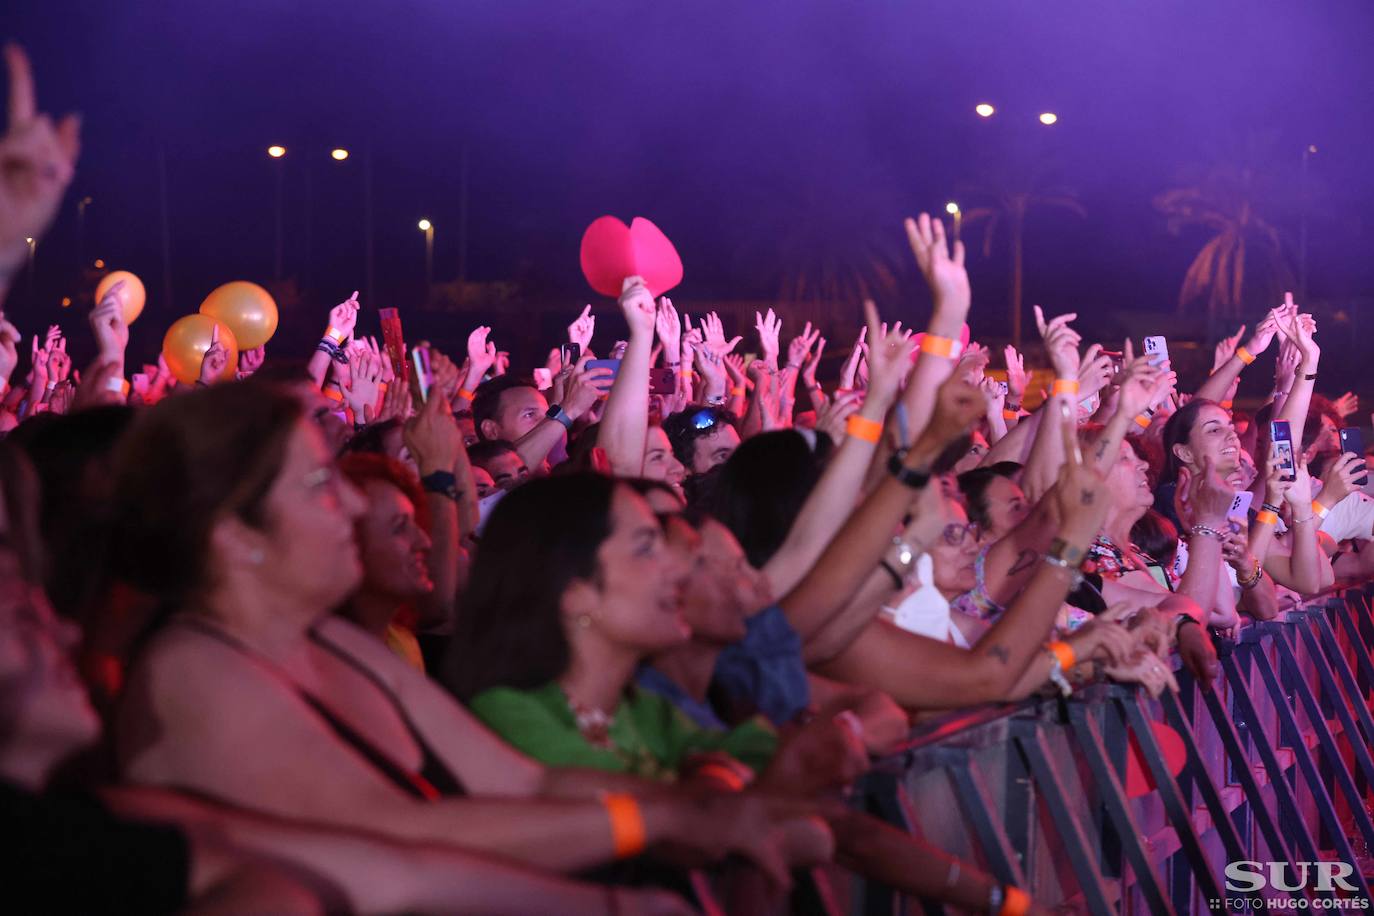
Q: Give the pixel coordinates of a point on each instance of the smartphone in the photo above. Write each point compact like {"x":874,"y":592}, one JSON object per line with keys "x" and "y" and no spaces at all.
{"x":1157,"y":348}
{"x":1282,"y":438}
{"x":570,"y":353}
{"x":1352,"y":441}
{"x":422,"y":377}
{"x":1239,"y":513}
{"x":1117,"y":357}
{"x":663,"y":380}
{"x":612,"y":364}
{"x":543,"y":379}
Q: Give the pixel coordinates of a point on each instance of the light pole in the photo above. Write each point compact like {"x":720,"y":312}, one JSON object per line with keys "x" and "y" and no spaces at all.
{"x":33,"y":292}
{"x":1307,"y":153}
{"x":279,"y":152}
{"x":81,"y":206}
{"x":428,"y":229}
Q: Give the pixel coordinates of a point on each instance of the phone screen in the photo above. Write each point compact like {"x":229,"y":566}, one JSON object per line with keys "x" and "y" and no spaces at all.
{"x":1352,"y":441}
{"x":1282,"y":438}
{"x":570,"y":353}
{"x":612,"y":364}
{"x":421,"y":375}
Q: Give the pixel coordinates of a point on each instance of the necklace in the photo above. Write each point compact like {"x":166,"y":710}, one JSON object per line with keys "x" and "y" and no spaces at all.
{"x":593,"y":722}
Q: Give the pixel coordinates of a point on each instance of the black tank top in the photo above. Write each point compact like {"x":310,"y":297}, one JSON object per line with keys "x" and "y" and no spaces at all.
{"x":433,"y":781}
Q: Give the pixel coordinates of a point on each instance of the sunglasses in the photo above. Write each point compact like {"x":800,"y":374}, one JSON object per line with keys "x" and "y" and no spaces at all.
{"x":704,"y":419}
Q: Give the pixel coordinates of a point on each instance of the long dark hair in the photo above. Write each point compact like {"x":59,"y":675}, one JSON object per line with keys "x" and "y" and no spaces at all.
{"x":759,"y":492}
{"x":1176,"y":432}
{"x":542,"y":537}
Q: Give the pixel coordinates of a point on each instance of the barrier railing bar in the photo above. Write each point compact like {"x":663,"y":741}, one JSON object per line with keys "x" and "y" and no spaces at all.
{"x":976,"y":802}
{"x":1347,"y":678}
{"x":1031,"y":743}
{"x":1089,"y":740}
{"x":1129,"y":706}
{"x":1342,"y":708}
{"x":1326,"y":807}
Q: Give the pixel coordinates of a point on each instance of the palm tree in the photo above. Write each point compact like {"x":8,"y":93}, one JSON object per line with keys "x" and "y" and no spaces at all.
{"x":1222,"y":202}
{"x":1009,"y":198}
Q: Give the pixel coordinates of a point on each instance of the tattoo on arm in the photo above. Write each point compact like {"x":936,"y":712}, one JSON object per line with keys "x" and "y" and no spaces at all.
{"x":1086,"y":497}
{"x":1101,"y":448}
{"x":1024,"y":560}
{"x":1000,"y":653}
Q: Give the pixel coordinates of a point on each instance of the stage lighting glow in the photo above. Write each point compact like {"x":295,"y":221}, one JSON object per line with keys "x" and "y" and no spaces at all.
{"x":984,"y":110}
{"x":276,"y":152}
{"x":951,"y":208}
{"x":426,"y":225}
{"x":1049,"y":117}
{"x":339,"y":154}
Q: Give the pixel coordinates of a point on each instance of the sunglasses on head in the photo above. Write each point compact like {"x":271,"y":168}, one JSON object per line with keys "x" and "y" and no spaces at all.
{"x":704,"y":419}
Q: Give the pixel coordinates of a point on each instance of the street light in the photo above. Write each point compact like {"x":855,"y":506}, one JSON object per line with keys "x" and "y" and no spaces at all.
{"x":339,"y":154}
{"x":984,"y":110}
{"x":1307,"y":153}
{"x":276,"y":152}
{"x":428,"y":229}
{"x":1048,"y":118}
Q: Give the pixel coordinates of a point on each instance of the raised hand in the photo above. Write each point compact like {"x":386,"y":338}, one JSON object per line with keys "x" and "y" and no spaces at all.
{"x":37,"y":162}
{"x":1094,"y":372}
{"x":958,"y":405}
{"x":768,"y":326}
{"x":445,"y":374}
{"x":251,"y":361}
{"x":59,"y":363}
{"x":1202,"y":497}
{"x":38,"y":367}
{"x":801,"y":345}
{"x":481,"y":353}
{"x":1061,"y":342}
{"x":832,"y":417}
{"x":669,"y":331}
{"x":889,"y":357}
{"x":1017,"y":377}
{"x":581,"y":330}
{"x":1139,"y":384}
{"x":107,"y":324}
{"x":583,"y":388}
{"x":1226,"y":348}
{"x":734,"y":365}
{"x":1347,"y":405}
{"x":942,"y":266}
{"x":364,"y":384}
{"x":432,"y":436}
{"x":100,"y":384}
{"x":9,"y":350}
{"x":343,"y":318}
{"x":637,"y":305}
{"x":972,"y":362}
{"x":812,"y":363}
{"x":850,"y":369}
{"x":215,"y":359}
{"x":1082,"y":498}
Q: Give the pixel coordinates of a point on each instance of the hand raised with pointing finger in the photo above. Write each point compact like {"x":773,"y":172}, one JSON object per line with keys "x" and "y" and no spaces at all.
{"x":215,"y":359}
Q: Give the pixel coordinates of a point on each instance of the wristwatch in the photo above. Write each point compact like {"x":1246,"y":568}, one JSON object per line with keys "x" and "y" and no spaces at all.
{"x":896,"y":466}
{"x":442,"y":483}
{"x":556,"y":412}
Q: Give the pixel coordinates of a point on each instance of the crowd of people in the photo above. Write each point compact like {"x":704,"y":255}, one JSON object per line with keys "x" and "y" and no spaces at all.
{"x":566,"y":640}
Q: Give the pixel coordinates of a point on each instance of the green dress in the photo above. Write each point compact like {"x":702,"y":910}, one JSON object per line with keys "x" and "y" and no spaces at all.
{"x":650,"y":737}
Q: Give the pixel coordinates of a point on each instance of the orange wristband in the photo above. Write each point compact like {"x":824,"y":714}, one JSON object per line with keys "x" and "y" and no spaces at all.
{"x":335,"y":334}
{"x":1010,"y":414}
{"x":333,"y":394}
{"x":1227,"y":405}
{"x":1064,"y":386}
{"x":863,"y":428}
{"x":1244,"y":355}
{"x":686,"y":373}
{"x":940,"y":346}
{"x":737,"y":392}
{"x":1062,"y":651}
{"x":1015,"y":902}
{"x":465,"y":394}
{"x":1319,"y":510}
{"x":1142,"y":421}
{"x":627,"y":824}
{"x":1265,"y":517}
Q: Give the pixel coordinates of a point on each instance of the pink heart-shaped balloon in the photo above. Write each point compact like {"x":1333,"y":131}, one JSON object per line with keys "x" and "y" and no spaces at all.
{"x":612,"y":251}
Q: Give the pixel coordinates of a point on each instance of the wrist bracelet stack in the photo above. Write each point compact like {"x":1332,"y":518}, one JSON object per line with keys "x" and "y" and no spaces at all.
{"x":1208,"y":531}
{"x":1250,"y":581}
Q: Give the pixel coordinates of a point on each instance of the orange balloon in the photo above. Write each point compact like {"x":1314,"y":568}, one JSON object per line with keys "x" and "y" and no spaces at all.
{"x":247,"y":309}
{"x":132,"y":295}
{"x":187,"y":340}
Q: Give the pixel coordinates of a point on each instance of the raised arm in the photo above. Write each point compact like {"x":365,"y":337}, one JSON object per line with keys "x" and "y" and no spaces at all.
{"x":342,"y":319}
{"x":943,"y":267}
{"x":847,"y":561}
{"x":835,"y":494}
{"x":625,"y":423}
{"x":1232,"y":357}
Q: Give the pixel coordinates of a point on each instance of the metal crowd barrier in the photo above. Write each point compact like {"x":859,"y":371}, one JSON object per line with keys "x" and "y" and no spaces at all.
{"x":1278,"y":770}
